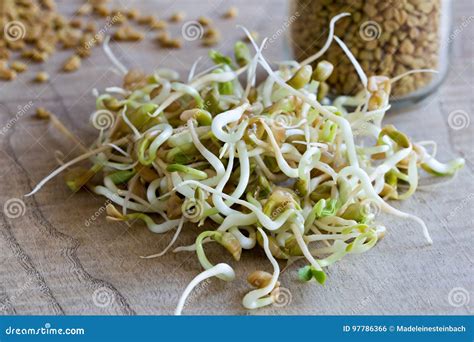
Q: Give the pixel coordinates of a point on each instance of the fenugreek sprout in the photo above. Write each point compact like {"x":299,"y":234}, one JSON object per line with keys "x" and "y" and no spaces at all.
{"x":276,"y":166}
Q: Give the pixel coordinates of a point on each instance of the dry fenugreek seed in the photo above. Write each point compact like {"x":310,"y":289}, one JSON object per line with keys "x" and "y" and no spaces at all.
{"x":132,"y":14}
{"x":41,"y":77}
{"x":163,"y":37}
{"x":177,"y":17}
{"x":158,"y":25}
{"x":173,"y":43}
{"x":128,"y":33}
{"x":49,"y":4}
{"x":90,"y":27}
{"x":204,"y":21}
{"x":84,"y":9}
{"x":18,"y":66}
{"x":39,"y":56}
{"x":76,"y":22}
{"x":102,"y":10}
{"x":4,"y":53}
{"x":117,"y":17}
{"x":16,"y":45}
{"x":72,"y":63}
{"x":232,"y":12}
{"x":7,"y":74}
{"x":145,"y":20}
{"x":211,"y":37}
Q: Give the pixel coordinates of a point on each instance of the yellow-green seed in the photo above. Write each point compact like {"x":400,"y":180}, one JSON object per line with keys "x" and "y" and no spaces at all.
{"x":301,"y":77}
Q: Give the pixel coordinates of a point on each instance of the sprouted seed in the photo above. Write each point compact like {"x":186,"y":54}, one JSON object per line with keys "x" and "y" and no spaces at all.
{"x":276,"y":165}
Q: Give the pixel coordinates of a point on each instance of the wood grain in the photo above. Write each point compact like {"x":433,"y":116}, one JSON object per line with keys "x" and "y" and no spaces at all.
{"x":61,"y":257}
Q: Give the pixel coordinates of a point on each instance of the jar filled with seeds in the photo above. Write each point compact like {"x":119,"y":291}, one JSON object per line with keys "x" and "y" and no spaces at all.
{"x":388,"y":38}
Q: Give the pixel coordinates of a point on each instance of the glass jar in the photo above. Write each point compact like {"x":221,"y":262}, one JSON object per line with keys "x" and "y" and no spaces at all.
{"x":387,"y":38}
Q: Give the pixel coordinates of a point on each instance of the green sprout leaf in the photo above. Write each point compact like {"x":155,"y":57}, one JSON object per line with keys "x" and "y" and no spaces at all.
{"x":309,"y":272}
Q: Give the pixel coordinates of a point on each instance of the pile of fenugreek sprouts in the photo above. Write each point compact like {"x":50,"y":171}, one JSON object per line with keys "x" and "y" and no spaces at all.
{"x":277,"y":166}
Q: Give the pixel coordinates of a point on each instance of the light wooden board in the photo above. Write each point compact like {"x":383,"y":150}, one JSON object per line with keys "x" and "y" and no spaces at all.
{"x":53,"y":262}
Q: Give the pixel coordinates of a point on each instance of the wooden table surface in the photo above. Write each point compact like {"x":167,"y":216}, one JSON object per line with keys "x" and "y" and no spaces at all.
{"x":60,"y":256}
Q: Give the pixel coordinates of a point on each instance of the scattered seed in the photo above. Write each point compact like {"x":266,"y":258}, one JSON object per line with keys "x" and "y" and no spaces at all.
{"x":18,"y":66}
{"x":76,"y":22}
{"x":42,"y":77}
{"x":177,"y":17}
{"x":163,"y":37}
{"x":49,"y":4}
{"x":386,"y":40}
{"x":117,"y":17}
{"x":72,"y":63}
{"x":90,"y":27}
{"x":85,"y":9}
{"x":204,"y":21}
{"x":101,"y":10}
{"x":7,"y":74}
{"x":231,"y":13}
{"x":132,"y":14}
{"x":211,"y":37}
{"x":169,"y":43}
{"x":145,"y":20}
{"x":39,"y":56}
{"x":158,"y":25}
{"x":128,"y":33}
